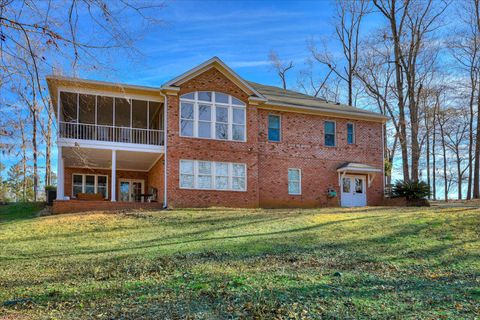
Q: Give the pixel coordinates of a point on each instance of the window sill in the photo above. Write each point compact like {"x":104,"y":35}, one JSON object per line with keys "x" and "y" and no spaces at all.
{"x":220,"y":190}
{"x":212,"y":139}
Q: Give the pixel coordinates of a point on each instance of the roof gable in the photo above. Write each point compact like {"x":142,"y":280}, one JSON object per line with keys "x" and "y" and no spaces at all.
{"x":218,"y":64}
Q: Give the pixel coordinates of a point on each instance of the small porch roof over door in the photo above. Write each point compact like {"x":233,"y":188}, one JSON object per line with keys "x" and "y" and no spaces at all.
{"x":358,"y":168}
{"x":352,"y":167}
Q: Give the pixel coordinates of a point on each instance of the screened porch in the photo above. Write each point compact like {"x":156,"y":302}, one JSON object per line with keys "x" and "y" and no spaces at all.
{"x":110,"y":118}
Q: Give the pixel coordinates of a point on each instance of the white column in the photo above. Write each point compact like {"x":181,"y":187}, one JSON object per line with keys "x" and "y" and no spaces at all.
{"x":60,"y":175}
{"x":113,"y":183}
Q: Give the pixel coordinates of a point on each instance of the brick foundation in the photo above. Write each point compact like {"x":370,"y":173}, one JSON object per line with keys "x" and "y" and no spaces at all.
{"x":70,"y":206}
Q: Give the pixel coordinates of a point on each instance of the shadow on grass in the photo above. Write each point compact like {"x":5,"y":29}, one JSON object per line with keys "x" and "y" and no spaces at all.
{"x":172,"y":240}
{"x":211,"y":295}
{"x":19,"y":211}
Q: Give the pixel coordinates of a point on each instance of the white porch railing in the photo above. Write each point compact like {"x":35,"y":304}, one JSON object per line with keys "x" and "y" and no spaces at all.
{"x":83,"y":131}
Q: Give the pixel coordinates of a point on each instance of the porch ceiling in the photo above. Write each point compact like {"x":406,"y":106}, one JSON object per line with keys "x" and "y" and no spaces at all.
{"x":102,"y":159}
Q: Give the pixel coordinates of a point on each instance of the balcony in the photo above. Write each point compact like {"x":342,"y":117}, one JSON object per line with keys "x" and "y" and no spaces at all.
{"x":82,"y":131}
{"x":110,"y":118}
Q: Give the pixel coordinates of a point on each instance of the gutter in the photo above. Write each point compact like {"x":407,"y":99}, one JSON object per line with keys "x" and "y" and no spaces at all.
{"x":330,"y":112}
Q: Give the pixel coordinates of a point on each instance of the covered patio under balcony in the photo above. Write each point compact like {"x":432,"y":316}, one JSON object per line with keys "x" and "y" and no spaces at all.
{"x":103,"y":179}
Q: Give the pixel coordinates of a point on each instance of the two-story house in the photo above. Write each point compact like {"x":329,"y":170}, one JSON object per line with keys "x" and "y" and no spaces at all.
{"x":211,"y":138}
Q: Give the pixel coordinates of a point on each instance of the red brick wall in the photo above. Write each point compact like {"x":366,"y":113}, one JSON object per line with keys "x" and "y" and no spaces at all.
{"x":120,"y":175}
{"x":268,"y":162}
{"x":156,"y":178}
{"x":68,"y":206}
{"x":202,"y":149}
{"x":302,"y":146}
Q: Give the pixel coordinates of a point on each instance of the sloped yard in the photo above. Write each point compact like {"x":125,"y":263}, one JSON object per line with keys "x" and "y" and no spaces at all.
{"x":217,"y":263}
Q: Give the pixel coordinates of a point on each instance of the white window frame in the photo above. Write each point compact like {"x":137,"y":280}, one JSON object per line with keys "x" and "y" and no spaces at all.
{"x":334,"y":133}
{"x":279,"y":127}
{"x":95,"y":183}
{"x":299,"y":181}
{"x":230,"y":123}
{"x":213,"y":175}
{"x":353,"y":133}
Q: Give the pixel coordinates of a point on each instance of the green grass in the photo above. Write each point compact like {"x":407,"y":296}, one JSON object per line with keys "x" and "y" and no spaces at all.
{"x":366,"y":263}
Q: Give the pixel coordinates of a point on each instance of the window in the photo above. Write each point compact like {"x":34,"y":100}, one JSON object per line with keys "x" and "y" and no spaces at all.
{"x":350,"y":133}
{"x":358,"y":185}
{"x":346,"y":185}
{"x":329,"y":128}
{"x":89,"y":183}
{"x":273,"y":127}
{"x":209,"y":175}
{"x":212,"y":115}
{"x":294,"y":181}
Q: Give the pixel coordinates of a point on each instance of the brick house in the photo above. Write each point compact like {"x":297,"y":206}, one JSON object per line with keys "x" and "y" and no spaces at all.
{"x":211,"y":138}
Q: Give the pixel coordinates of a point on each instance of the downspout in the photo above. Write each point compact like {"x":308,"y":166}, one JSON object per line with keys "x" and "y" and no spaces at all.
{"x":165,"y":163}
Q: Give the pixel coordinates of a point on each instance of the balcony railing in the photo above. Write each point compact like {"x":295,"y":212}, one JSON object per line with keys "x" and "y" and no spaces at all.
{"x":83,"y":131}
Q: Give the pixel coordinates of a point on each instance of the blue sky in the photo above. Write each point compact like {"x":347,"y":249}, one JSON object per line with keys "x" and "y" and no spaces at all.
{"x":241,"y":33}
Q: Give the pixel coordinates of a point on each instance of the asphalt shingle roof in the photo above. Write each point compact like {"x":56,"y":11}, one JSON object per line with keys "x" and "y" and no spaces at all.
{"x":280,"y":96}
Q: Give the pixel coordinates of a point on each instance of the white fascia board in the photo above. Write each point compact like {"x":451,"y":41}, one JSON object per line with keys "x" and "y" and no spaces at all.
{"x":185,"y":76}
{"x":105,"y":83}
{"x":94,"y":144}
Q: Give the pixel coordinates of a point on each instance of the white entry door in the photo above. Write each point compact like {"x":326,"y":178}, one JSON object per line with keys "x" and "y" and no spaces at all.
{"x":353,"y":192}
{"x":130,"y":190}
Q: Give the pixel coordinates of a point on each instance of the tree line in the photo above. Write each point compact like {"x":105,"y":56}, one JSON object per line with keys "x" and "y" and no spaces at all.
{"x":38,"y":38}
{"x":416,"y":66}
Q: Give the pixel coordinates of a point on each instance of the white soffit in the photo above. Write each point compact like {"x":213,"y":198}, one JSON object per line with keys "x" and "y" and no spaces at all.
{"x":102,"y":159}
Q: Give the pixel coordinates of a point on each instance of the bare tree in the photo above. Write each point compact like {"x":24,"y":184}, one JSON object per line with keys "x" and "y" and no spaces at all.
{"x":37,"y":37}
{"x":348,"y":21}
{"x":465,"y":49}
{"x":375,"y":73}
{"x":411,"y":24}
{"x":281,"y":67}
{"x":456,"y":133}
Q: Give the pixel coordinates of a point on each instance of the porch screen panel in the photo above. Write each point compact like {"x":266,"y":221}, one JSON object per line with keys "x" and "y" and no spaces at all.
{"x":122,"y":112}
{"x":154,"y":115}
{"x":139,"y":114}
{"x":68,"y":104}
{"x":105,"y":111}
{"x":86,"y":108}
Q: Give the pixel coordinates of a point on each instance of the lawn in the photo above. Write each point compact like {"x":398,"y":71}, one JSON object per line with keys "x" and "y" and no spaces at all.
{"x":365,"y":263}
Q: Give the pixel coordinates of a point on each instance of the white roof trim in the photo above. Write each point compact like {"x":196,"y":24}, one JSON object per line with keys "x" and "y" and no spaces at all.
{"x":186,"y":75}
{"x":327,"y":111}
{"x":105,"y":83}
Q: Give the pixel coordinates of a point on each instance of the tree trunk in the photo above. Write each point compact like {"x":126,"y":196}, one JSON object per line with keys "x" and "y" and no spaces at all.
{"x":470,"y":139}
{"x":476,"y":173}
{"x":459,"y":173}
{"x":427,"y":127}
{"x":35,"y":155}
{"x":48,"y":148}
{"x":400,"y":94}
{"x":24,"y":162}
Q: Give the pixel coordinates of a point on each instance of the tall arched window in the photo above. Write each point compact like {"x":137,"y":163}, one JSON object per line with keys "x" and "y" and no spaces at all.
{"x":212,"y":115}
